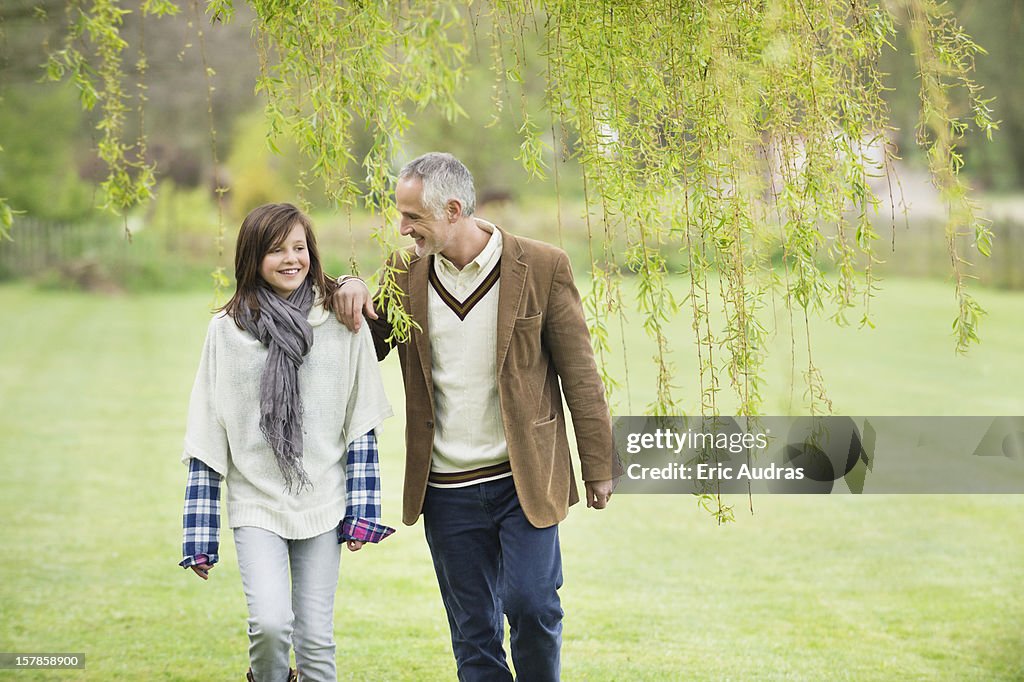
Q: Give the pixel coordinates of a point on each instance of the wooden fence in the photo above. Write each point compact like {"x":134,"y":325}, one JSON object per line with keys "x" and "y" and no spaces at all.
{"x":917,"y":249}
{"x":37,"y":246}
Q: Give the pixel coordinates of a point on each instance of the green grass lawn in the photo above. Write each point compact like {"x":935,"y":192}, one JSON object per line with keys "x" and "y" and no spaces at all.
{"x":94,"y":392}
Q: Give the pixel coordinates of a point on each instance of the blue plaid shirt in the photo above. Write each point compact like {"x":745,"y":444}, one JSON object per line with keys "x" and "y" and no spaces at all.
{"x":201,"y":519}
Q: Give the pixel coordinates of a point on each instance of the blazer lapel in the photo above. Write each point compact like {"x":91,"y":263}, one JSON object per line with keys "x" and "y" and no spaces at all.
{"x":510,"y":293}
{"x":419,"y":269}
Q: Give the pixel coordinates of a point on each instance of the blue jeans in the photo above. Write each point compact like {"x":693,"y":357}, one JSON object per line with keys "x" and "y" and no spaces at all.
{"x":489,"y":560}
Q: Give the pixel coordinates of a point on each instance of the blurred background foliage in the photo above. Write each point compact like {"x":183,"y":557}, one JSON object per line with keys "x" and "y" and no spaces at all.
{"x":50,"y":171}
{"x":996,"y":26}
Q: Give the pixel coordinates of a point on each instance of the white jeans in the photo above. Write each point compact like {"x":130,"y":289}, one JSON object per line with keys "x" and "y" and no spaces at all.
{"x":283,"y":612}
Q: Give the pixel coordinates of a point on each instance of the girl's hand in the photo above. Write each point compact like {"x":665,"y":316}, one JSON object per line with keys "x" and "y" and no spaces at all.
{"x":354,"y":545}
{"x":203,"y":570}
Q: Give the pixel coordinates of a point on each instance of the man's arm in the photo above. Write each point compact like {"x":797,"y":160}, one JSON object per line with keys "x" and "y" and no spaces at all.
{"x":568,"y":340}
{"x":352,"y":301}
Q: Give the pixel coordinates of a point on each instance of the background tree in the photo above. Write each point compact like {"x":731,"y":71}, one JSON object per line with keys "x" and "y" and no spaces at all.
{"x":997,"y":25}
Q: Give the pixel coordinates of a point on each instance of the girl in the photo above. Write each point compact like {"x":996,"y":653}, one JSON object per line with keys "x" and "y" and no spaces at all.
{"x":284,"y":407}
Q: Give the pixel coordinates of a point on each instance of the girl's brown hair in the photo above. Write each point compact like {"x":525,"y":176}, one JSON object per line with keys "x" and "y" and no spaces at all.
{"x":263,"y":229}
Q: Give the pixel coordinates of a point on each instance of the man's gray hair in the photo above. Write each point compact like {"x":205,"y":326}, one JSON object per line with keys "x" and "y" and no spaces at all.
{"x":444,"y":178}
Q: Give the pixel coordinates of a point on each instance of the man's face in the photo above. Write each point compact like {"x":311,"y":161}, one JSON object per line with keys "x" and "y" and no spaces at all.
{"x":432,"y":235}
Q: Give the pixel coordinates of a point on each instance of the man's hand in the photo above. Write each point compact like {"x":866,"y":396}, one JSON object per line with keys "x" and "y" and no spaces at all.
{"x":354,"y":545}
{"x":202,"y":570}
{"x":352,"y":301}
{"x":598,"y":493}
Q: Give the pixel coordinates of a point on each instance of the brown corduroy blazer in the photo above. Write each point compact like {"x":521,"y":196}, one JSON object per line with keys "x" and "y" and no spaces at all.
{"x":542,"y":340}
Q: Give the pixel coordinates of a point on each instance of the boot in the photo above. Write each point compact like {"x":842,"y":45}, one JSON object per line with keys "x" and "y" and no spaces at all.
{"x":293,"y":675}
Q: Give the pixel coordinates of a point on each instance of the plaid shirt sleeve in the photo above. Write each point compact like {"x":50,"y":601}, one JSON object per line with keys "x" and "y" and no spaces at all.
{"x":362,"y":511}
{"x":201,"y":520}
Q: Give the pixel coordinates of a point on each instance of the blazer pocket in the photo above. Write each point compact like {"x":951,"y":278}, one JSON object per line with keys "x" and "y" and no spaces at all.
{"x":525,"y":348}
{"x":544,"y":421}
{"x":544,"y":433}
{"x":528,"y":322}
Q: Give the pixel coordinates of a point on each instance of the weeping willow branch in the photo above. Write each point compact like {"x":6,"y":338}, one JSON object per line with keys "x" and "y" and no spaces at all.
{"x":745,"y":136}
{"x":221,"y":282}
{"x":91,"y":58}
{"x":945,"y":55}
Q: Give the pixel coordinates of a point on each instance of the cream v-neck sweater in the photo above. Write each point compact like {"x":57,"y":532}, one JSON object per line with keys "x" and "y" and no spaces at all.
{"x":469,"y":435}
{"x":342,"y":399}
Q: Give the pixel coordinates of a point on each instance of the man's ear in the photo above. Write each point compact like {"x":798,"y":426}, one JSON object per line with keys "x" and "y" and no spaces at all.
{"x":453,"y":210}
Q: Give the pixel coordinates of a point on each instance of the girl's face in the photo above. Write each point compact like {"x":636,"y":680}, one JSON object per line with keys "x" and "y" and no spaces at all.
{"x":286,"y":265}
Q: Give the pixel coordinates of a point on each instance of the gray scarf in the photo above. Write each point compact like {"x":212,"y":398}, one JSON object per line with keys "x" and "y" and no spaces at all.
{"x":283,"y":328}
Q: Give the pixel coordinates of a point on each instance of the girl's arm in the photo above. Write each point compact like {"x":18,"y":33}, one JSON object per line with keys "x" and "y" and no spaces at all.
{"x":201,"y":519}
{"x":362,"y":511}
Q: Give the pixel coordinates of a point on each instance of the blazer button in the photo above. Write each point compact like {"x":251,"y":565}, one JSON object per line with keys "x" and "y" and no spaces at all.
{"x":430,"y":424}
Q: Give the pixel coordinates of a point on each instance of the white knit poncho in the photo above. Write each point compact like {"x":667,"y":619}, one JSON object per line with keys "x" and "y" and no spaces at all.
{"x":342,"y":399}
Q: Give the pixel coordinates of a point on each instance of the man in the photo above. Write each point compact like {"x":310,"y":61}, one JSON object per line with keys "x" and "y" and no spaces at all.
{"x":487,"y":457}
